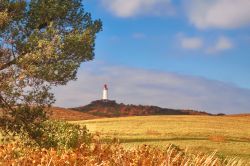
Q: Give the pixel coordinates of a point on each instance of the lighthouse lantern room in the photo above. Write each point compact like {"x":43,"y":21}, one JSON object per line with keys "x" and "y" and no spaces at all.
{"x":105,"y":92}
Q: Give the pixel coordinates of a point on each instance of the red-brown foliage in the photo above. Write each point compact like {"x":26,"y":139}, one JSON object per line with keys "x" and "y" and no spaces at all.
{"x":112,"y":154}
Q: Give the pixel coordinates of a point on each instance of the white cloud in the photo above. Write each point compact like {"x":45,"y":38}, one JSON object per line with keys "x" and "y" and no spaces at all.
{"x":218,"y":13}
{"x":222,"y":44}
{"x":137,"y":86}
{"x":191,"y":42}
{"x":131,"y":8}
{"x":139,"y":36}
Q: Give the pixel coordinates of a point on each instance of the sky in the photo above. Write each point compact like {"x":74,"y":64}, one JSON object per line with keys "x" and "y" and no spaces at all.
{"x":185,"y":54}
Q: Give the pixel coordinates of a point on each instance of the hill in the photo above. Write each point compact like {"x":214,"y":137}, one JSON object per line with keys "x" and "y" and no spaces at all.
{"x":68,"y":114}
{"x":109,"y":108}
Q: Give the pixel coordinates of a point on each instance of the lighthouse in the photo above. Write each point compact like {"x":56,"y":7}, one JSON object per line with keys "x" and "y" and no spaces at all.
{"x":105,"y":92}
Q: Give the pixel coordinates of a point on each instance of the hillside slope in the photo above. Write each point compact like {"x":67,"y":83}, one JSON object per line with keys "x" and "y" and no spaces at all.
{"x":110,"y":108}
{"x":58,"y":113}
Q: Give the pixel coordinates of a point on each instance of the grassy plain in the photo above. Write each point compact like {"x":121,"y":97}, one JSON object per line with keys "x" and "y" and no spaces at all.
{"x":229,"y":136}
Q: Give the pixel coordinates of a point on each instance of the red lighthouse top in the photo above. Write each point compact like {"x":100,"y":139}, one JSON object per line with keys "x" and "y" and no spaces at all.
{"x":105,"y":87}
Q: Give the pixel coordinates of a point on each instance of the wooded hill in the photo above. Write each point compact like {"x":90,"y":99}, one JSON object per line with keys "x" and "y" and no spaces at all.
{"x":110,"y":108}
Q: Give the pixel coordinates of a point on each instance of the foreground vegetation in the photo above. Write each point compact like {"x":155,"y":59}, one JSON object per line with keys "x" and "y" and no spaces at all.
{"x":65,"y":143}
{"x":229,"y":136}
{"x":111,"y":154}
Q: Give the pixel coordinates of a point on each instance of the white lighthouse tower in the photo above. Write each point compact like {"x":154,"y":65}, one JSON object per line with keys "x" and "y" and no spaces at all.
{"x":105,"y":92}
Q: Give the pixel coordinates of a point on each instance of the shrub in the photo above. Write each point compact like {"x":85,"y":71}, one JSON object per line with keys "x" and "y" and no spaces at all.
{"x":50,"y":134}
{"x":63,"y":135}
{"x":26,"y":124}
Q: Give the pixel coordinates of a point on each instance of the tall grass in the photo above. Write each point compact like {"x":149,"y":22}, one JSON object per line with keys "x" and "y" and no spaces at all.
{"x":112,"y":154}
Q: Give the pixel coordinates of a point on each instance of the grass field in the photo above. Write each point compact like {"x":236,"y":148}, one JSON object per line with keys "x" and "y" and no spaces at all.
{"x":229,"y":136}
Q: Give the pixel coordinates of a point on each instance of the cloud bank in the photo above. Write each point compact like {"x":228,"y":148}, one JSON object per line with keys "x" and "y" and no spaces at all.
{"x":138,"y":86}
{"x":131,"y":8}
{"x":224,"y":14}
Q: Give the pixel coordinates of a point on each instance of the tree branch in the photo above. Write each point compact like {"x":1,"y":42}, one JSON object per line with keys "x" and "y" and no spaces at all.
{"x":12,"y":62}
{"x":4,"y":66}
{"x":5,"y":104}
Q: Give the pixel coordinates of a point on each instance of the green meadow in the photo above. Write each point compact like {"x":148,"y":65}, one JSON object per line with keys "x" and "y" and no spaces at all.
{"x":229,"y":136}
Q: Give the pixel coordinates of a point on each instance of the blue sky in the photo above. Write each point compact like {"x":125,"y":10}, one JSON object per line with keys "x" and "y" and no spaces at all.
{"x":169,"y":41}
{"x":208,"y":40}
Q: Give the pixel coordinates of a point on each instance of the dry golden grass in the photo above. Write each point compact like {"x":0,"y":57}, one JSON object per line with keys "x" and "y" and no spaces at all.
{"x":228,"y":135}
{"x":112,"y":154}
{"x":239,"y":115}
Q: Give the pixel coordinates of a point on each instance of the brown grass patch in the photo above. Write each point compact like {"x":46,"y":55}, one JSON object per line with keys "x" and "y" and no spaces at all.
{"x":152,"y":132}
{"x":68,"y":114}
{"x":217,"y":138}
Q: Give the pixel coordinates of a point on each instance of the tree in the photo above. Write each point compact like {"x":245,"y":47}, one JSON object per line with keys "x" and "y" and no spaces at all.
{"x":42,"y":44}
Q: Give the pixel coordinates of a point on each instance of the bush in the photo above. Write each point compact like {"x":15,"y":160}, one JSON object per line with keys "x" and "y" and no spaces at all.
{"x":50,"y":134}
{"x":26,"y":124}
{"x":63,"y":135}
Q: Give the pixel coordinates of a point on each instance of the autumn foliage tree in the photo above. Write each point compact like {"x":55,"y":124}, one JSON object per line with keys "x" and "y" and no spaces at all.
{"x":42,"y":44}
